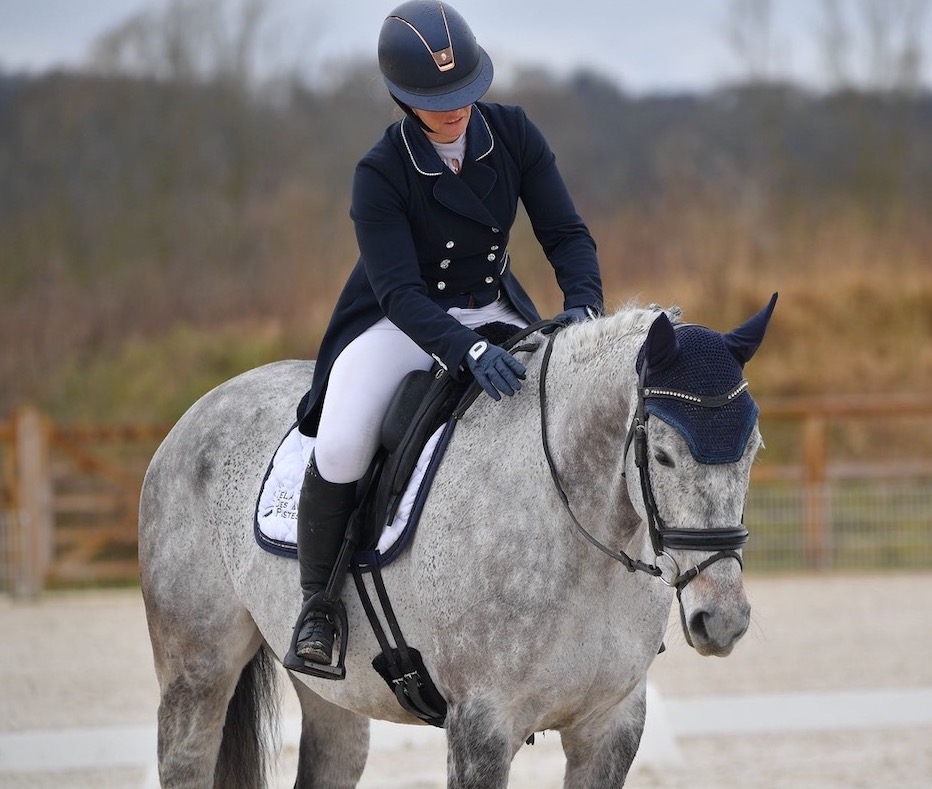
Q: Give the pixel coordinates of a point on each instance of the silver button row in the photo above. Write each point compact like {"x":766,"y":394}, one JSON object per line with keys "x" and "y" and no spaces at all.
{"x":443,"y":285}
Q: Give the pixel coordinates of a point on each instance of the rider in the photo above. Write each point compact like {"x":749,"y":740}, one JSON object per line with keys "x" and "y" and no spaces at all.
{"x":433,"y":203}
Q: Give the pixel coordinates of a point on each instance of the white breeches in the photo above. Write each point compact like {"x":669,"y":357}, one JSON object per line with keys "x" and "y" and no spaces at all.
{"x":362,"y":381}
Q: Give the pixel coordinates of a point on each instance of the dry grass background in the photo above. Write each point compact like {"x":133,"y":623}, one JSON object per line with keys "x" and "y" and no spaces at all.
{"x":157,"y":238}
{"x":854,"y":316}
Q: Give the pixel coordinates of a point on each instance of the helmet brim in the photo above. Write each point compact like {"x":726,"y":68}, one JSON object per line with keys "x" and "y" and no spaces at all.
{"x":459,"y":94}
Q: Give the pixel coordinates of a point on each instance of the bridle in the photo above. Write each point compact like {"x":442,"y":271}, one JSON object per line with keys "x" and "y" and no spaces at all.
{"x":724,"y":541}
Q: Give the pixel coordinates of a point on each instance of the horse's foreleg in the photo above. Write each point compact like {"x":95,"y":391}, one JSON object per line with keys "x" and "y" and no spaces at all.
{"x":479,"y":750}
{"x":334,"y":743}
{"x":599,"y":751}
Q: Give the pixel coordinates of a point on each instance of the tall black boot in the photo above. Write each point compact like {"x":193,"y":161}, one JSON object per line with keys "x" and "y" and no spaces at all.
{"x":324,"y":509}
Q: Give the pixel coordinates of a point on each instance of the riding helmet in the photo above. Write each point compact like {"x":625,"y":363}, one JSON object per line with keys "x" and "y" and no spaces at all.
{"x":429,"y":57}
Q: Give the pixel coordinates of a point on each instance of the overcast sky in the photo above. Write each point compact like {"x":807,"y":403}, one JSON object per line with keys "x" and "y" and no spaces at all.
{"x":647,"y":45}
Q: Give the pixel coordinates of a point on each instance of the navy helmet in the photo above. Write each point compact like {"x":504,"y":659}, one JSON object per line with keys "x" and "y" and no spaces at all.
{"x":429,"y":57}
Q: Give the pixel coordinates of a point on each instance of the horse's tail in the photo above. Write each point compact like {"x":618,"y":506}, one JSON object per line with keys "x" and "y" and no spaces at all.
{"x":250,"y":733}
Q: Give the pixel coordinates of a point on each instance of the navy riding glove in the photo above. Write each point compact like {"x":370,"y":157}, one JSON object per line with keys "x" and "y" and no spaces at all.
{"x":496,"y":370}
{"x":572,"y":315}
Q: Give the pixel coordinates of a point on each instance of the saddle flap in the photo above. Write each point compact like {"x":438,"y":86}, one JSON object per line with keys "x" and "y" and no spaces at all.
{"x":407,"y":398}
{"x":423,"y":403}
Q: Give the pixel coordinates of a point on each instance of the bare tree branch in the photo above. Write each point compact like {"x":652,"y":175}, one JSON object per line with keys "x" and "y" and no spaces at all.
{"x":750,"y":34}
{"x":880,"y":48}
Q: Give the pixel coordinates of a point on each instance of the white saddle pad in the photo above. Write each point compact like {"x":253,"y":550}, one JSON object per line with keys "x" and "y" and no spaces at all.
{"x":277,"y":509}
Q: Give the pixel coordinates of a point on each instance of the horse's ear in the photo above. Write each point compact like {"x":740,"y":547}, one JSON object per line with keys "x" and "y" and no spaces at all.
{"x":744,"y":341}
{"x":661,"y":346}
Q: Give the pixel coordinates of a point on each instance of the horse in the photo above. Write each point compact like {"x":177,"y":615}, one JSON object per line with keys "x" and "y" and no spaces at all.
{"x":525,"y":616}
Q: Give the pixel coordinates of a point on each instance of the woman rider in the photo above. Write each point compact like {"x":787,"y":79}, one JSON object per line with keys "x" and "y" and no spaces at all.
{"x":433,"y":203}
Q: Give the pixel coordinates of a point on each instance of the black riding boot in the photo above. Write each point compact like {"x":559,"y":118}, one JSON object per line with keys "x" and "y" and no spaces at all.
{"x":324,"y":509}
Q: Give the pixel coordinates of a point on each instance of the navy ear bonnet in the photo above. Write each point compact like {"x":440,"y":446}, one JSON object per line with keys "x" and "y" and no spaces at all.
{"x":699,"y":361}
{"x":703,"y":366}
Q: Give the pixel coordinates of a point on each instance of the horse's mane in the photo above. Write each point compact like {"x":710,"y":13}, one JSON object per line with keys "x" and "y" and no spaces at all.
{"x":630,"y":319}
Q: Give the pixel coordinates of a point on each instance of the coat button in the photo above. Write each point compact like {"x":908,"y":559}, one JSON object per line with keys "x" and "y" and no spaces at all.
{"x":441,"y":285}
{"x":494,"y":247}
{"x":444,"y":264}
{"x":491,"y":256}
{"x":449,"y":245}
{"x":495,"y":230}
{"x":489,"y":280}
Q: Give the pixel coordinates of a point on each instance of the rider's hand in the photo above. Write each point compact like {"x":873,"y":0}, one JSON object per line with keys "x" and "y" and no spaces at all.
{"x":572,"y":315}
{"x":496,"y":370}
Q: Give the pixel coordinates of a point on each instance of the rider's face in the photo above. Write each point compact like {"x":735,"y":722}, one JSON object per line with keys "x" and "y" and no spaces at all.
{"x":447,"y":126}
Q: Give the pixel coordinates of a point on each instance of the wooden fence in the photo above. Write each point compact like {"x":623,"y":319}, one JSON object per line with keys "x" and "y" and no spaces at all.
{"x":69,"y":501}
{"x":895,"y":438}
{"x":69,"y":494}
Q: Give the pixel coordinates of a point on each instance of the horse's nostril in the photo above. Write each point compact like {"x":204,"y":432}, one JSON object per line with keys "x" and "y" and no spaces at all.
{"x":698,"y":627}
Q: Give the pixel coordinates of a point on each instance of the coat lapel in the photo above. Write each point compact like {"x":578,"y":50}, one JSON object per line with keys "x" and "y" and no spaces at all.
{"x":463,"y":193}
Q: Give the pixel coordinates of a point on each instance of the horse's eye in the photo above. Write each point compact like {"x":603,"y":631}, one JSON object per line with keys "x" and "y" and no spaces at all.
{"x":664,"y":459}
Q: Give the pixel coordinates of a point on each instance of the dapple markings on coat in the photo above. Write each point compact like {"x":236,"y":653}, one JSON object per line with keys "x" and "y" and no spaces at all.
{"x":523,"y":625}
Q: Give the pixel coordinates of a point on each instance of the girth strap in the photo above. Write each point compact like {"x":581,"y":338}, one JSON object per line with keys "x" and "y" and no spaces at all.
{"x":402,"y":667}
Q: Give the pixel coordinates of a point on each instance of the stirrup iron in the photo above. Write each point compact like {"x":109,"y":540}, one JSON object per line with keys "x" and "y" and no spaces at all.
{"x":336,"y":613}
{"x":327,"y":602}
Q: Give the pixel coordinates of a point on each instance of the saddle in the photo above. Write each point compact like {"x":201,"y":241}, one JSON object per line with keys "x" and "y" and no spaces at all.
{"x":424,"y":401}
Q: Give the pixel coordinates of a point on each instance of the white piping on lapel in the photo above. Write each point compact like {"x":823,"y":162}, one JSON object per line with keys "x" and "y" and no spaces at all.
{"x":407,"y":142}
{"x":491,"y":138}
{"x":404,"y":136}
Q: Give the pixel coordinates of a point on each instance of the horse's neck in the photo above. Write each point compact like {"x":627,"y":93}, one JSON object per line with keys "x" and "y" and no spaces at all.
{"x":587,"y":402}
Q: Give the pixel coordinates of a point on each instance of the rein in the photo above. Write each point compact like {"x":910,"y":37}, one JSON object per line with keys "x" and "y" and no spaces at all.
{"x":724,"y":541}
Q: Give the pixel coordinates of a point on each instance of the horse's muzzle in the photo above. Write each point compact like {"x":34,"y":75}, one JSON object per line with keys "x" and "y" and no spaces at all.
{"x":715,"y":616}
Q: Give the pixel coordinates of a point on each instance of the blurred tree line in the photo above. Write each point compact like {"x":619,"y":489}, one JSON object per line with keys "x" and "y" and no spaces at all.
{"x":168,"y":185}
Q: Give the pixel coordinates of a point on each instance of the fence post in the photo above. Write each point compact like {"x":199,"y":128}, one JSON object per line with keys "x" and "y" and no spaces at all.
{"x":815,"y":527}
{"x":33,"y":520}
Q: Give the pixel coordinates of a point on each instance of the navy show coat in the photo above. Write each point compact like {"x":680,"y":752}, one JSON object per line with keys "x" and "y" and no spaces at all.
{"x":430,"y":239}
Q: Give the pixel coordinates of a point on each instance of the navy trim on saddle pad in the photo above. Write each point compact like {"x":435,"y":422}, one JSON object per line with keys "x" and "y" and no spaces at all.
{"x":278,"y":547}
{"x":369,"y":559}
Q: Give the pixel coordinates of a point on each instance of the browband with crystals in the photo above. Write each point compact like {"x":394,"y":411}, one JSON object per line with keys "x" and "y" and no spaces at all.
{"x":706,"y":401}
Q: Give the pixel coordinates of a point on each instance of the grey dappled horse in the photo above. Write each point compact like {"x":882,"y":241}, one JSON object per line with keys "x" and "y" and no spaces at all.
{"x":526,"y":619}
